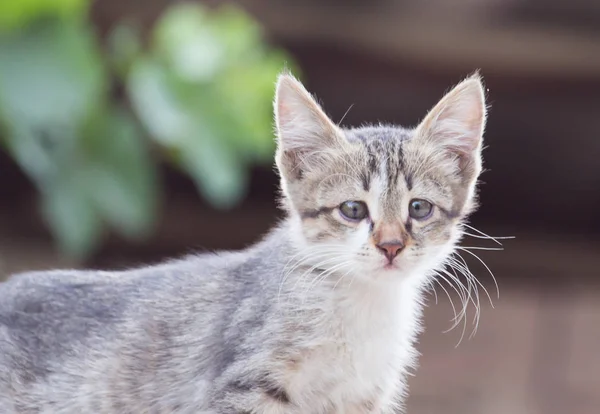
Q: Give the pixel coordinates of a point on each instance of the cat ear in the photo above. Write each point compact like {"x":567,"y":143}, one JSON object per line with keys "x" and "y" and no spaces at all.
{"x":457,"y":122}
{"x":304,"y":131}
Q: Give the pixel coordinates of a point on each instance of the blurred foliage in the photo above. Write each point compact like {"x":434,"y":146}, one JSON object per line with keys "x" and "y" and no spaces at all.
{"x":15,"y":14}
{"x":197,"y":95}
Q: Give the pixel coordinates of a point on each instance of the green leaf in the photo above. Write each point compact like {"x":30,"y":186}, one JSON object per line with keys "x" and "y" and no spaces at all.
{"x":41,"y":153}
{"x":124,"y":46}
{"x":155,"y":104}
{"x":189,"y":45}
{"x":71,"y":217}
{"x":16,"y":14}
{"x":205,"y":96}
{"x":50,"y":75}
{"x":120,"y":176}
{"x":51,"y":82}
{"x":219,"y":175}
{"x":247,"y":93}
{"x":239,"y":32}
{"x":179,"y":125}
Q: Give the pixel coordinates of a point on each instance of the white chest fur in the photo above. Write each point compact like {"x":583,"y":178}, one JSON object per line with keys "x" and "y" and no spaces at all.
{"x":364,"y":350}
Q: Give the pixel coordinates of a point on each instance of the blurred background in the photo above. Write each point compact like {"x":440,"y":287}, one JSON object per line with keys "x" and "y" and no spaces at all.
{"x":132,"y":131}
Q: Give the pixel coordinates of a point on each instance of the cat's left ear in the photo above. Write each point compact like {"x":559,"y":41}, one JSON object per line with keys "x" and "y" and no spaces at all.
{"x":305,"y":133}
{"x":457,"y":122}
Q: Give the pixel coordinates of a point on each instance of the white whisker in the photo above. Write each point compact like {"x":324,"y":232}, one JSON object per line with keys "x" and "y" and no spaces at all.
{"x":448,"y":294}
{"x":432,"y":286}
{"x":342,"y":277}
{"x":456,"y":318}
{"x":482,"y":235}
{"x":472,"y":287}
{"x":310,"y":254}
{"x":483,"y":248}
{"x":345,"y":113}
{"x":487,"y":268}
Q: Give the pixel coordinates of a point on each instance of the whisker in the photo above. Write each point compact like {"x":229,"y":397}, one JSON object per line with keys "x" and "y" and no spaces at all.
{"x":312,"y":269}
{"x":465,"y":297}
{"x":327,"y":253}
{"x":465,"y":294}
{"x":342,"y":277}
{"x":486,"y":236}
{"x":495,"y":238}
{"x":322,"y":276}
{"x":432,"y":286}
{"x":448,"y":294}
{"x":472,"y":287}
{"x":472,"y":281}
{"x":345,"y":113}
{"x":487,"y":268}
{"x":483,"y":248}
{"x":453,"y":309}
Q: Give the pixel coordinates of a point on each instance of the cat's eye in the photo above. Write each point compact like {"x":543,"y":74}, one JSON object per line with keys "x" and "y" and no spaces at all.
{"x":354,"y":210}
{"x":420,"y":209}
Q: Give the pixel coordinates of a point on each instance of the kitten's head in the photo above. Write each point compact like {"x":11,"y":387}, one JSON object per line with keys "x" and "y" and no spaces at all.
{"x":379,"y":199}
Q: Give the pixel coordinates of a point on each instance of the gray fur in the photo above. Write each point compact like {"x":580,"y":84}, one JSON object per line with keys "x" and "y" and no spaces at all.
{"x":298,"y":323}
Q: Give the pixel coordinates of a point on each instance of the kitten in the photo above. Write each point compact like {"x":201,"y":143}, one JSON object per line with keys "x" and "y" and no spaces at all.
{"x":320,"y":317}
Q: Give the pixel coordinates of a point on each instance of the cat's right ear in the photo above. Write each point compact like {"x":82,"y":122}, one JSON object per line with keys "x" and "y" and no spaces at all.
{"x":456,"y":124}
{"x":304,"y":132}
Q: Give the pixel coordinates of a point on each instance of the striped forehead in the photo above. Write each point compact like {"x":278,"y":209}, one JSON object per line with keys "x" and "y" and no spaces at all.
{"x":384,"y":159}
{"x":383,"y":149}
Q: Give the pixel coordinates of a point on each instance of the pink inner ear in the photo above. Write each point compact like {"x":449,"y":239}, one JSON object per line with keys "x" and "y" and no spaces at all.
{"x":284,"y":112}
{"x":457,"y":121}
{"x":459,"y":124}
{"x":460,"y":136}
{"x":302,"y":124}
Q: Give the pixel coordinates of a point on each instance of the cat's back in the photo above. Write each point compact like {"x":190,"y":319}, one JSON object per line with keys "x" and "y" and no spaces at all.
{"x":151,"y":339}
{"x":66,"y":303}
{"x":59,"y":306}
{"x":72,"y":304}
{"x":58,"y":329}
{"x":104,"y":294}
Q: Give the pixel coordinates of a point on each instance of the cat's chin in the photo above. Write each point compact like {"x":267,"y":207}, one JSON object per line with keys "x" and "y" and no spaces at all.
{"x":400,"y":264}
{"x":385,"y":271}
{"x":399,"y":270}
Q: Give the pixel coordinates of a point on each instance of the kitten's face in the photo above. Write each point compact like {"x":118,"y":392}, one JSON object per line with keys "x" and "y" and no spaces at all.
{"x":379,"y":200}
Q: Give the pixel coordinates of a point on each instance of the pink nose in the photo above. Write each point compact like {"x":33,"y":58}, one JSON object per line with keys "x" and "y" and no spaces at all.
{"x":391,"y":249}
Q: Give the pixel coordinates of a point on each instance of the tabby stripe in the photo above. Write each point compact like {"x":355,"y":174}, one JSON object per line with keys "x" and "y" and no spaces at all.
{"x":274,"y":391}
{"x":451,"y":214}
{"x":314,"y":213}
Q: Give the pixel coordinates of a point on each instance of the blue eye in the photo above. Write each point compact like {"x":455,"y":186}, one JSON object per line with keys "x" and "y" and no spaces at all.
{"x":354,"y":210}
{"x":420,"y":209}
